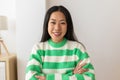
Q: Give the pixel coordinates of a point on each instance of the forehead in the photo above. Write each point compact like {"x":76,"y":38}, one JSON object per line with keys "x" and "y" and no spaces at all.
{"x":57,"y":15}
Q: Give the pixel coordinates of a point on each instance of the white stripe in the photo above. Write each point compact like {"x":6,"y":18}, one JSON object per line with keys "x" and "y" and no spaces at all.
{"x":35,"y":48}
{"x":70,"y":45}
{"x":58,"y":76}
{"x":91,"y":71}
{"x":72,"y":77}
{"x":87,"y":77}
{"x":73,"y":44}
{"x":29,"y":75}
{"x":33,"y":62}
{"x":60,"y":58}
{"x":61,"y":71}
{"x":87,"y":60}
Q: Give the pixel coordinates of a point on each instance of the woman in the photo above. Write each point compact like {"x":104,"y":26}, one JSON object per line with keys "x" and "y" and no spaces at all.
{"x":59,"y":56}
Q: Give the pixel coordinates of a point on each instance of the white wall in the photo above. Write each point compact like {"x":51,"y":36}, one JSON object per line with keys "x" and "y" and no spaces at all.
{"x":7,"y":8}
{"x":97,"y":25}
{"x":30,"y":15}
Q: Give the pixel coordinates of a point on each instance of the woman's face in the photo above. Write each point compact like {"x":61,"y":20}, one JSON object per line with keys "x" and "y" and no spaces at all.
{"x":57,"y":26}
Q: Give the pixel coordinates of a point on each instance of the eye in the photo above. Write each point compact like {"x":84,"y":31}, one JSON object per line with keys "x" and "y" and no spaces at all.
{"x":63,"y":22}
{"x":53,"y":22}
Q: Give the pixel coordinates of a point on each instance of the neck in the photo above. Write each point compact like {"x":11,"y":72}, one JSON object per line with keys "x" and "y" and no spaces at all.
{"x":57,"y":41}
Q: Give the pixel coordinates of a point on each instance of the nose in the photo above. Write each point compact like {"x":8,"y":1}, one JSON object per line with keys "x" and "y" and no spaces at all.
{"x":57,"y":26}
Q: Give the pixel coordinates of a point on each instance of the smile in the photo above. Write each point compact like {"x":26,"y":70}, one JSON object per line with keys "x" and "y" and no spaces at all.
{"x":56,"y":33}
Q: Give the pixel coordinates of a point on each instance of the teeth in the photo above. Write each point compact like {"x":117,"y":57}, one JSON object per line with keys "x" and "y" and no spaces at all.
{"x":56,"y":33}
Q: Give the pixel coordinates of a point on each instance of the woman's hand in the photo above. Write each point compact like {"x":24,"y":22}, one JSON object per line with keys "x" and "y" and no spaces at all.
{"x":40,"y":77}
{"x":78,"y":69}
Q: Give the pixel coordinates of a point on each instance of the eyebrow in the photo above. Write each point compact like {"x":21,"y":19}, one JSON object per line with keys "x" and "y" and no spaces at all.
{"x":52,"y":19}
{"x":60,"y":20}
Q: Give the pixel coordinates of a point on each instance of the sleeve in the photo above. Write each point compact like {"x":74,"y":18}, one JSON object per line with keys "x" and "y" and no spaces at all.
{"x":34,"y":65}
{"x":84,"y":58}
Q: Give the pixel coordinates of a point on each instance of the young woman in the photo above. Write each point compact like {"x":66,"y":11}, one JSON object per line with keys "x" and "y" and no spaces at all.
{"x":59,"y":56}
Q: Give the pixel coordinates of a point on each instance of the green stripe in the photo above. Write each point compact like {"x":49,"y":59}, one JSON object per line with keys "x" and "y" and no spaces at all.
{"x":88,"y":66}
{"x":81,"y":55}
{"x":33,"y":68}
{"x":50,"y":77}
{"x":65,"y":77}
{"x":56,"y":65}
{"x":84,"y":55}
{"x":56,"y":52}
{"x":66,"y":52}
{"x":69,"y":72}
{"x":90,"y":75}
{"x":58,"y":44}
{"x":79,"y":77}
{"x":36,"y":57}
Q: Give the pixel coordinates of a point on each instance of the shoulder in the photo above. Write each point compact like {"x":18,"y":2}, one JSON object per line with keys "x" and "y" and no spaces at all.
{"x":78,"y":45}
{"x":39,"y":45}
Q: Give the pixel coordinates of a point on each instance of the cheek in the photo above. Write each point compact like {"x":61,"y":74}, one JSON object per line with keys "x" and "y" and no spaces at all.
{"x":65,"y":30}
{"x":48,"y":29}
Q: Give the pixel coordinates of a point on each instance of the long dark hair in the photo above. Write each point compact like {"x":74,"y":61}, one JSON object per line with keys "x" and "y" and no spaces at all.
{"x":70,"y":35}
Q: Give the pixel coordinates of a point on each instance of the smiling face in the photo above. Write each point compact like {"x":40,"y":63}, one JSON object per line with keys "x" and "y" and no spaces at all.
{"x":57,"y":26}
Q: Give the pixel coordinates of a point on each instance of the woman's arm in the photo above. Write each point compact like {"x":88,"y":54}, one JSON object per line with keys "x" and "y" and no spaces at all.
{"x":34,"y":65}
{"x":83,"y":71}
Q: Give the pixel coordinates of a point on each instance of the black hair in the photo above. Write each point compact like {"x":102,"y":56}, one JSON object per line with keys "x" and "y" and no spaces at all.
{"x":70,"y":35}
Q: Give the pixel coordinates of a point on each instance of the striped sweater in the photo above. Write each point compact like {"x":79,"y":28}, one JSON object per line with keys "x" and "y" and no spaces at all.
{"x":56,"y":61}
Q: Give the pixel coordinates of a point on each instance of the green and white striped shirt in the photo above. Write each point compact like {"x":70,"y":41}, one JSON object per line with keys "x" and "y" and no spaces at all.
{"x":56,"y":61}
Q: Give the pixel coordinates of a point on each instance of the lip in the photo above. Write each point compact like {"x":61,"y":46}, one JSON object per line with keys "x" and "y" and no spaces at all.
{"x":57,"y":33}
